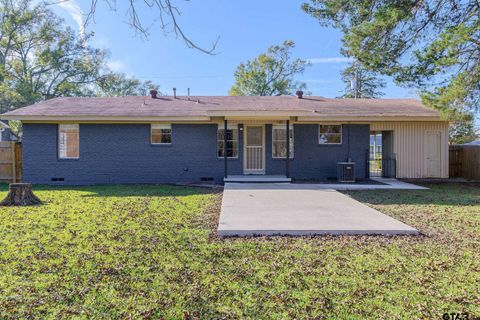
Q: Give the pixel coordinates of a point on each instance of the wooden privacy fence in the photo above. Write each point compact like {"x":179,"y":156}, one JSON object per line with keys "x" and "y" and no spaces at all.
{"x":464,"y":162}
{"x":10,"y":161}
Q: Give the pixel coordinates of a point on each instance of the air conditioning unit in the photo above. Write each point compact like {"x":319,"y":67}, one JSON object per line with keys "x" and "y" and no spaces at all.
{"x":346,"y":171}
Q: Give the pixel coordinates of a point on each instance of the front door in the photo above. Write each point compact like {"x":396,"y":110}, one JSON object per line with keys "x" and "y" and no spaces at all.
{"x":432,"y":153}
{"x":254,"y":153}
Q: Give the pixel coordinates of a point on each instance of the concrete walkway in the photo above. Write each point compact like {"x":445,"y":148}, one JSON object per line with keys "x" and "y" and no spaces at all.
{"x":299,"y":209}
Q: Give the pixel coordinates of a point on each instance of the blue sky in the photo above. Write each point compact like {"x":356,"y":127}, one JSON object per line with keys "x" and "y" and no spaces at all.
{"x":245,"y":29}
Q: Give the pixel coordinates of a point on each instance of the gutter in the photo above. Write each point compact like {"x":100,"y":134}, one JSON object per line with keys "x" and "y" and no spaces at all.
{"x":90,"y":118}
{"x":236,"y":115}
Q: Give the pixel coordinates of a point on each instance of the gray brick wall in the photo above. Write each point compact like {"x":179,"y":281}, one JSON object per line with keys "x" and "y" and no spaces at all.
{"x":314,"y":161}
{"x":123,"y":154}
{"x":114,"y":153}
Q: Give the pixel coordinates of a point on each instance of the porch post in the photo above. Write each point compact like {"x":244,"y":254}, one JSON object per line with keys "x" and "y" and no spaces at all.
{"x":225,"y":157}
{"x":287,"y":159}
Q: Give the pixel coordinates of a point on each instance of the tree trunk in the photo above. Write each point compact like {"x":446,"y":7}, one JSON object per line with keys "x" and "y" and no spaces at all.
{"x":20,"y":194}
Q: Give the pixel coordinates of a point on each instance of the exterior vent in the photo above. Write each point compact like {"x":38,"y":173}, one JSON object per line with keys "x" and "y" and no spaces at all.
{"x":346,"y":171}
{"x":57,"y":179}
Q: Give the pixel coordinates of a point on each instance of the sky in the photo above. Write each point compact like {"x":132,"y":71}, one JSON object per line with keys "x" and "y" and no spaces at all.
{"x":244,"y":28}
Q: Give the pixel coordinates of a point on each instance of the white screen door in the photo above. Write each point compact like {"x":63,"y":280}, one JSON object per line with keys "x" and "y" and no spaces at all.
{"x":254,"y":158}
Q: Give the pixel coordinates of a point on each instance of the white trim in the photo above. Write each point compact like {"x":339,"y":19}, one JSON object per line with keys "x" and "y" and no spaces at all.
{"x":330,"y":143}
{"x":232,"y":126}
{"x":439,"y":153}
{"x":303,"y":116}
{"x":368,"y":119}
{"x":59,"y":137}
{"x":161,"y":127}
{"x":292,"y":150}
{"x":77,"y":118}
{"x":245,"y":170}
{"x":259,"y":113}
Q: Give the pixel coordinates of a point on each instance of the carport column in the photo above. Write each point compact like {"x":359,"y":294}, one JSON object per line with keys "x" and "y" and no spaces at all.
{"x":225,"y":157}
{"x":287,"y":159}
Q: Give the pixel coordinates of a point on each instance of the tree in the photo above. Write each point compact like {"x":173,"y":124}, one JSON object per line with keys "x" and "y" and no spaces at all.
{"x":433,"y":45}
{"x":40,"y":58}
{"x":271,"y":73}
{"x":361,"y":83}
{"x":166,"y":12}
{"x":462,"y":132}
{"x":118,"y":84}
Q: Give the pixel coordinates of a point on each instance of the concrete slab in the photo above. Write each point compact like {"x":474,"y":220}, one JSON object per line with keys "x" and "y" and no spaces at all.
{"x":299,"y":209}
{"x":257,"y":178}
{"x":388,"y":184}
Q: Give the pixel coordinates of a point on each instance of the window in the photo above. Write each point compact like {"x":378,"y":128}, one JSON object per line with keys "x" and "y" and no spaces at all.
{"x":68,"y":141}
{"x":279,"y":145}
{"x":375,"y":145}
{"x":161,"y":134}
{"x":330,"y":134}
{"x":232,"y":141}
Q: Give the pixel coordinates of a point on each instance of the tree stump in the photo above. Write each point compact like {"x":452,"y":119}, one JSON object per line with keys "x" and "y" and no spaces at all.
{"x":20,"y":194}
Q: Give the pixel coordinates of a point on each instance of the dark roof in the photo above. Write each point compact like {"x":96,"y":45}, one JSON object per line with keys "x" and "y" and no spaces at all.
{"x":163,"y":106}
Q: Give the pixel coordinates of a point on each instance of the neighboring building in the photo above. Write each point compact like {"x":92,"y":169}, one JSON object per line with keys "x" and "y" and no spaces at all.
{"x":6,"y":132}
{"x":181,"y":139}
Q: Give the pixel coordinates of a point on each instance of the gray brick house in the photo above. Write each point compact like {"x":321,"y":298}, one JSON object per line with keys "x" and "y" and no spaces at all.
{"x":181,"y":139}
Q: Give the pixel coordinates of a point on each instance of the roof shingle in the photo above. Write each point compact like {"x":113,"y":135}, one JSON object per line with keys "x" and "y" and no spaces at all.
{"x":165,"y":106}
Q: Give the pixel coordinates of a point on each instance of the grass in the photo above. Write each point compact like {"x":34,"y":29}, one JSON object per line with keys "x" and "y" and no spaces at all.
{"x":151,"y":252}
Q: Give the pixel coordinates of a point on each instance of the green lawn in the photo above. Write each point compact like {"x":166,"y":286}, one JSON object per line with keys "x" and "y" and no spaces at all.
{"x":151,"y":252}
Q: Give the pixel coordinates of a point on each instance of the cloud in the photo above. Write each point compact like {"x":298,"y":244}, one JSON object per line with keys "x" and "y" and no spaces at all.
{"x":117,"y":65}
{"x":330,"y":60}
{"x":74,"y":10}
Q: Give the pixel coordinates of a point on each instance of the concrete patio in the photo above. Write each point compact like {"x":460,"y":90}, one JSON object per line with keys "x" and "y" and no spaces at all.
{"x":387,"y":184}
{"x":383,"y":183}
{"x":299,"y":209}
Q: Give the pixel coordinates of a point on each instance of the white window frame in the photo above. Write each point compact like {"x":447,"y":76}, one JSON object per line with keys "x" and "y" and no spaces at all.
{"x":331,"y":143}
{"x":162,"y":126}
{"x":61,"y":127}
{"x":375,"y":146}
{"x":233,"y":126}
{"x":292,"y":140}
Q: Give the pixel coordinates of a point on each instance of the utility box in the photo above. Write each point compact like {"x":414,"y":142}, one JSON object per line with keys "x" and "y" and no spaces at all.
{"x":346,"y":171}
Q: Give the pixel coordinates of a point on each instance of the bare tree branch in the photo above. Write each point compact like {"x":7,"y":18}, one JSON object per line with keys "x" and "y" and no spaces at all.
{"x":168,"y":15}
